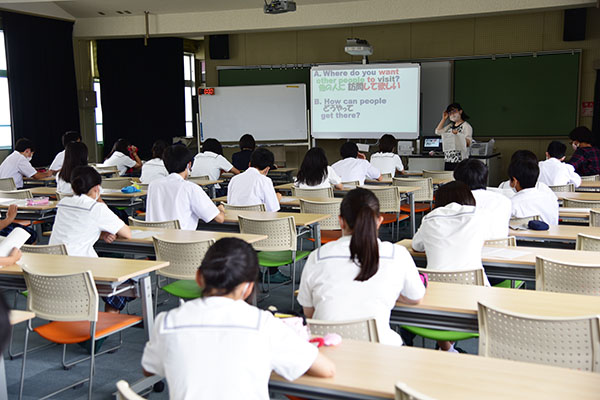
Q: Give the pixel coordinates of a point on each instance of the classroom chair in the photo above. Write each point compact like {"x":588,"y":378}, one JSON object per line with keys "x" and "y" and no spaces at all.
{"x":568,"y":342}
{"x":115,"y":183}
{"x":184,"y":259}
{"x":330,"y":227}
{"x":587,"y":242}
{"x":423,"y":197}
{"x":570,"y":203}
{"x":387,"y":175}
{"x":461,"y":277}
{"x":320,"y":193}
{"x":173,"y":224}
{"x":569,"y":187}
{"x":254,"y":207}
{"x":60,"y":196}
{"x":564,"y":277}
{"x":351,"y":183}
{"x":594,"y":217}
{"x":124,"y":392}
{"x":7,"y":184}
{"x":70,"y":301}
{"x":590,"y":178}
{"x":108,"y":170}
{"x":390,"y":201}
{"x":17,"y":194}
{"x":363,"y":329}
{"x":509,"y":241}
{"x":438,"y":174}
{"x":279,"y":248}
{"x":404,"y":392}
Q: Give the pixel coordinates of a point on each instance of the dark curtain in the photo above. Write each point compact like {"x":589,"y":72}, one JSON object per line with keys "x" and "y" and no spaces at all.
{"x":41,"y":78}
{"x":596,"y":118}
{"x":142,"y":91}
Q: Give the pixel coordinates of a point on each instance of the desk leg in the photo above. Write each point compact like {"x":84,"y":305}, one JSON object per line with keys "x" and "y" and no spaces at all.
{"x":3,"y":390}
{"x":317,"y":232}
{"x":413,"y":223}
{"x":213,"y":191}
{"x":147,"y":309}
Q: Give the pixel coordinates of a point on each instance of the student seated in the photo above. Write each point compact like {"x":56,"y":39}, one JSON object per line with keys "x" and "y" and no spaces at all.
{"x":506,"y":187}
{"x":358,"y":276}
{"x":18,"y":164}
{"x":553,"y":171}
{"x":586,"y":159}
{"x":155,"y":168}
{"x":84,"y":218}
{"x":203,"y":344}
{"x":68,"y":137}
{"x":253,"y":186}
{"x":210,"y":162}
{"x":7,"y":225}
{"x":385,"y":160}
{"x":315,"y":172}
{"x":241,"y":159}
{"x":496,"y":207}
{"x":353,"y":166}
{"x":121,"y":156}
{"x":175,"y":198}
{"x":76,"y":154}
{"x":529,"y":200}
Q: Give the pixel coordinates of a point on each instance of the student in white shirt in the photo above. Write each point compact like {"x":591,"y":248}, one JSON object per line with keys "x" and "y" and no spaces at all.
{"x":315,"y":172}
{"x":353,"y":166}
{"x":18,"y":164}
{"x":253,"y":186}
{"x":452,"y":235}
{"x":506,"y":187}
{"x":385,"y":160}
{"x":496,"y":207}
{"x":175,"y":198}
{"x":204,"y":343}
{"x":456,"y":135}
{"x":84,"y":218}
{"x":554,"y":171}
{"x":120,"y":156}
{"x":529,"y":200}
{"x":210,"y":162}
{"x":8,"y":224}
{"x":358,"y":276}
{"x":76,"y":154}
{"x":155,"y":168}
{"x":68,"y":137}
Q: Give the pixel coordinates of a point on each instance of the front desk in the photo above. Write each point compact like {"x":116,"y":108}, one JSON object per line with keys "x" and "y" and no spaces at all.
{"x":419,"y":162}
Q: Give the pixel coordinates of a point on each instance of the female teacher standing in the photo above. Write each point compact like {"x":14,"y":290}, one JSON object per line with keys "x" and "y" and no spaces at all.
{"x":456,"y":136}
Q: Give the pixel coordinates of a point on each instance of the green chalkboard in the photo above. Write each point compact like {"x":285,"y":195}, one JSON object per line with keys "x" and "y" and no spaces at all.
{"x":519,"y":96}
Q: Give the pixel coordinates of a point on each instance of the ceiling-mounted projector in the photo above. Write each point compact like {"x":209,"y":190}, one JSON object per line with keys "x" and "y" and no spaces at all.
{"x":358,"y":47}
{"x":279,"y":6}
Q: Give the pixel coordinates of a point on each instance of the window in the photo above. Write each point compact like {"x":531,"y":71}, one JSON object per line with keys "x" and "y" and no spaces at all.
{"x":5,"y":121}
{"x":189,"y":76}
{"x":99,"y":132}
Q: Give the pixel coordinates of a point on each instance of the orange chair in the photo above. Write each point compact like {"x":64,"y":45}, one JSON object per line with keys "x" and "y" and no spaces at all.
{"x":330,"y":227}
{"x":423,"y":197}
{"x":70,"y":301}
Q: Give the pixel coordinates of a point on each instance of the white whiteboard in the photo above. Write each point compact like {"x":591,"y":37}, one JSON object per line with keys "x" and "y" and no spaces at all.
{"x":269,"y":112}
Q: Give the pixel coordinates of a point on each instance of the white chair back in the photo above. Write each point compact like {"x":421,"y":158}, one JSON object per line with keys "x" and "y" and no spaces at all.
{"x":424,"y":194}
{"x":184,"y":257}
{"x":363,"y":329}
{"x":404,"y":392}
{"x":313,"y":193}
{"x":569,"y":187}
{"x":281,"y":233}
{"x":438,"y":174}
{"x":115,"y":183}
{"x":595,"y":217}
{"x":17,"y":194}
{"x":254,"y":207}
{"x":570,"y":203}
{"x":7,"y":184}
{"x":507,"y":241}
{"x":562,"y":277}
{"x":317,"y":207}
{"x":173,"y":224}
{"x":58,"y":249}
{"x":461,"y":277}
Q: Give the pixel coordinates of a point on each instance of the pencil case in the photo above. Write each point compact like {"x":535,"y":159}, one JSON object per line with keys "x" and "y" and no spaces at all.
{"x":38,"y":201}
{"x":130,"y":189}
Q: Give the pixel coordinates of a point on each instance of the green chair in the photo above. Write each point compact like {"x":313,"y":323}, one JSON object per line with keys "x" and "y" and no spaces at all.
{"x":281,"y":245}
{"x":461,"y":277}
{"x":184,"y":259}
{"x":509,"y":241}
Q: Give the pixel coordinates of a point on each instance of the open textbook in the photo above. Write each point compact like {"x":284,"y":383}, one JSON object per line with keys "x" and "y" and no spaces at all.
{"x":16,"y":238}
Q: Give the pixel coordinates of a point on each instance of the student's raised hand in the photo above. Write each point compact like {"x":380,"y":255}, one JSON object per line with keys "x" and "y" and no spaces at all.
{"x":11,"y":214}
{"x":361,"y":156}
{"x":444,"y":115}
{"x":108,"y":237}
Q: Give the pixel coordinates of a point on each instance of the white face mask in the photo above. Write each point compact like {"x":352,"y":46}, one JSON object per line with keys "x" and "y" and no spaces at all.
{"x":98,"y":195}
{"x":29,"y":158}
{"x":575,"y":146}
{"x":245,"y":289}
{"x":454,"y":117}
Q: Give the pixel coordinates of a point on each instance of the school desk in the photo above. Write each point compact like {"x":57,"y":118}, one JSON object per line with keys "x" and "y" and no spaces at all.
{"x":389,"y":181}
{"x":563,"y":236}
{"x":574,"y":215}
{"x":366,"y":370}
{"x":33,"y":182}
{"x":208,"y":185}
{"x":454,"y":307}
{"x":141,"y":243}
{"x":290,"y":201}
{"x":15,"y":317}
{"x":515,"y":263}
{"x":282,"y":174}
{"x":578,"y":196}
{"x":110,"y":274}
{"x":110,"y":196}
{"x":589,"y":186}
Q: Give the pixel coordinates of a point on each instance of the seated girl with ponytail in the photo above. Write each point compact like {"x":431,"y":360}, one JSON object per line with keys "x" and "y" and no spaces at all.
{"x":358,"y":276}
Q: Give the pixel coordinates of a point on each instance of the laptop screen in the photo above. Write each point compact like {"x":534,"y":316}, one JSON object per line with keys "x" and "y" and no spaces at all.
{"x":431,"y":143}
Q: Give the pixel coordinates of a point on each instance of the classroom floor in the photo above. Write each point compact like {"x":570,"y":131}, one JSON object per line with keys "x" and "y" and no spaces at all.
{"x":45,"y":374}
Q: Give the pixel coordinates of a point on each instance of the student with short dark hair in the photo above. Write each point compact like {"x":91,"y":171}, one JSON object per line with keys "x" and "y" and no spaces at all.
{"x":586,"y":159}
{"x":385,"y":160}
{"x":496,"y":207}
{"x":155,"y":168}
{"x":123,"y":156}
{"x":530,"y":201}
{"x":239,"y":339}
{"x":506,"y":187}
{"x":76,"y":154}
{"x":353,"y":166}
{"x":18,"y":164}
{"x":210,"y":162}
{"x":358,"y":276}
{"x":84,"y":218}
{"x":67,"y":137}
{"x":241,"y":159}
{"x":253,"y":186}
{"x":315,"y":172}
{"x":553,"y":171}
{"x":175,"y":198}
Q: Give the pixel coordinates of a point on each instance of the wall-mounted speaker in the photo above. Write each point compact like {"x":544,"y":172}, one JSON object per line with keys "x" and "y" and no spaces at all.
{"x":574,"y":27}
{"x":218,"y":47}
